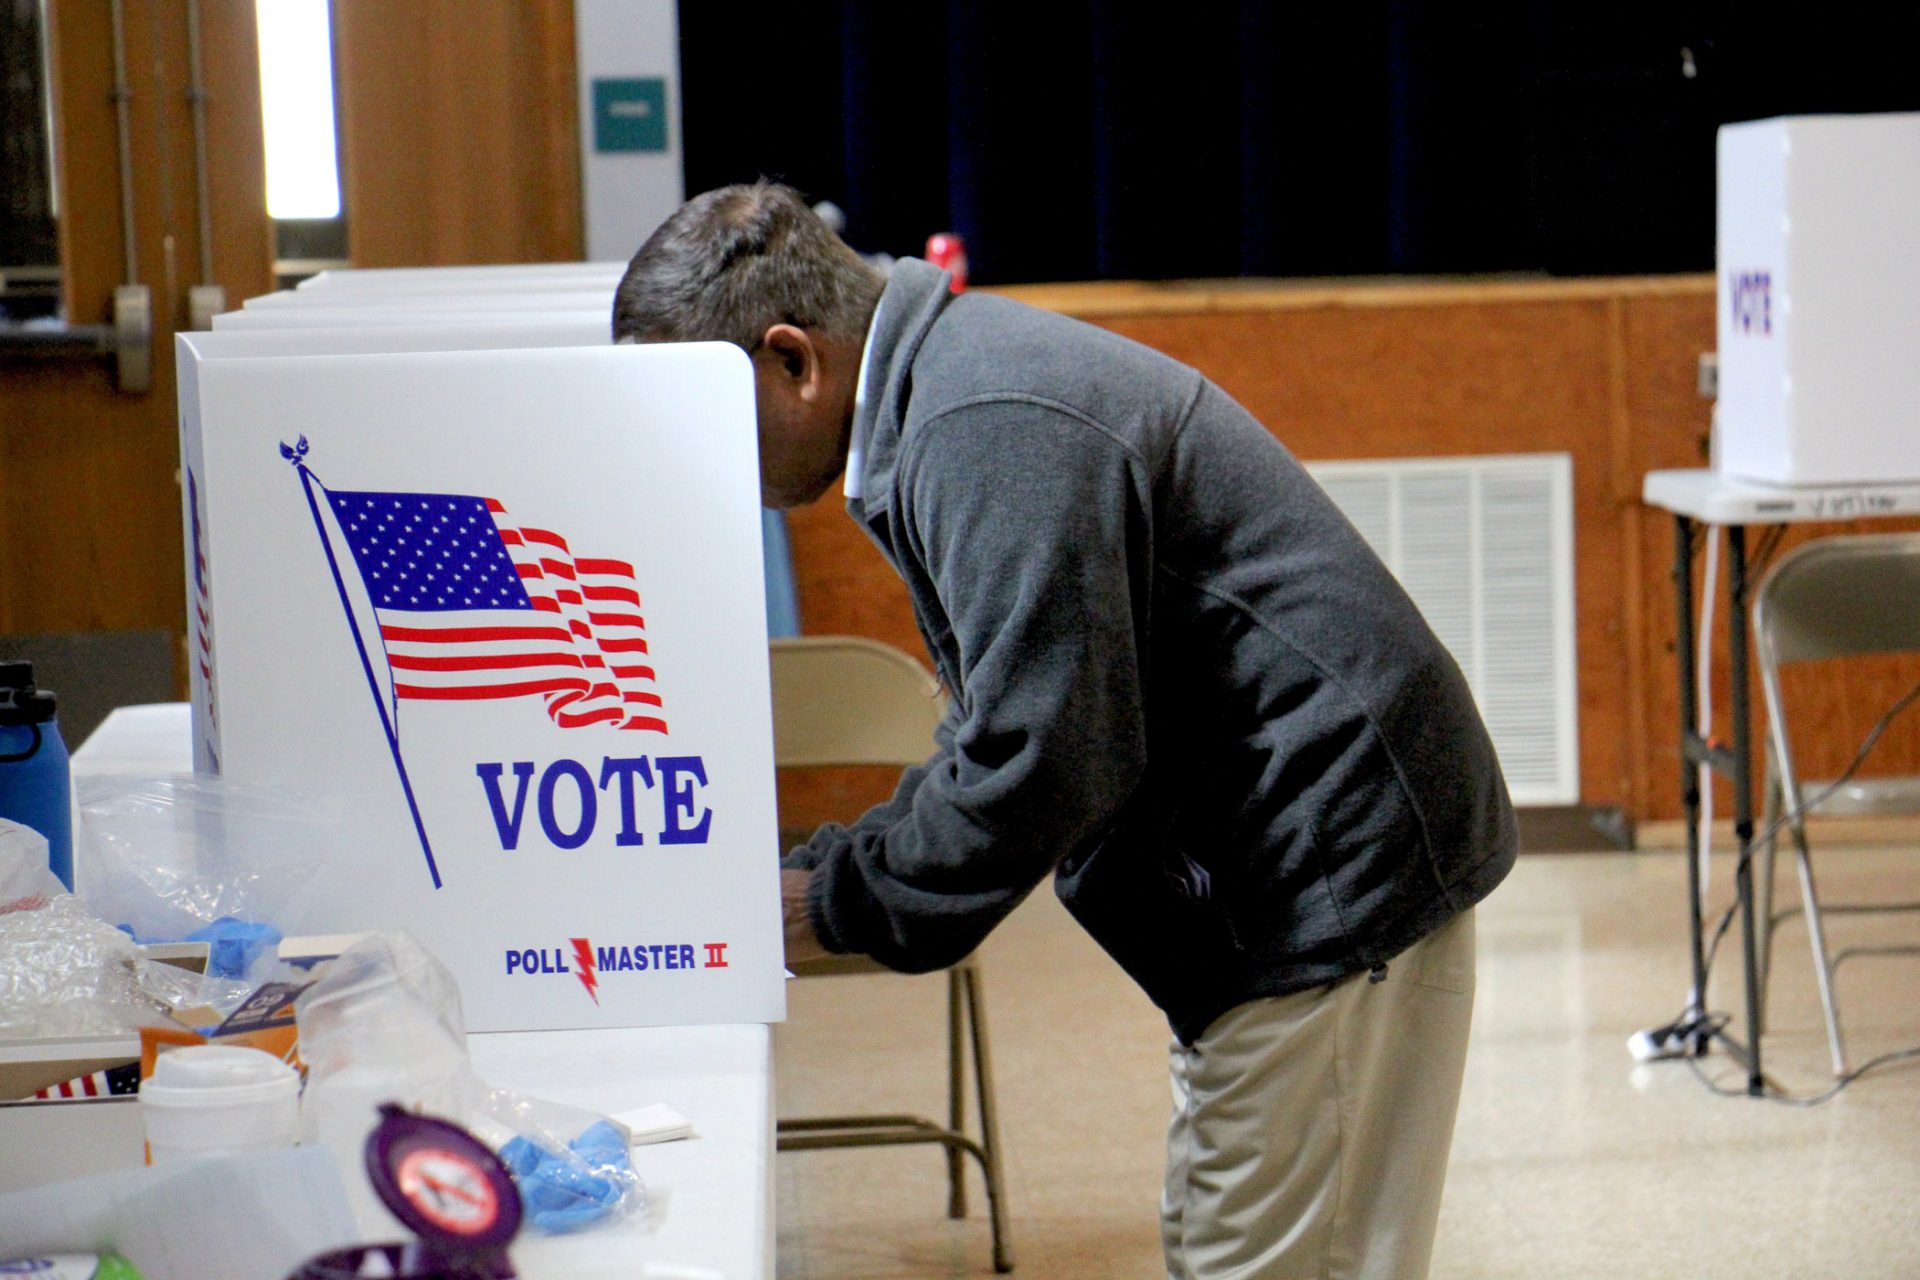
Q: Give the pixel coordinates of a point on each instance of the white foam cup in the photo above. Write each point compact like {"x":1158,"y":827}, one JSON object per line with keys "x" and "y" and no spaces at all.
{"x":216,"y":1100}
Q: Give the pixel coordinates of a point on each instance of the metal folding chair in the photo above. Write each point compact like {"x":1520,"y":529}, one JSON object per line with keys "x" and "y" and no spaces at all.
{"x":841,"y":700}
{"x":1831,"y":598}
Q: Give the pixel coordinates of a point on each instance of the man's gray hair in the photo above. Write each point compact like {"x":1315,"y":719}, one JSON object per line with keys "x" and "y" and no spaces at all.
{"x":733,"y":262}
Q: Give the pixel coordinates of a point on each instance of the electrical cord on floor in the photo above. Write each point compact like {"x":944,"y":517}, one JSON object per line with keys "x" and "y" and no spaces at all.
{"x":1776,"y":1093}
{"x":1698,"y":1026}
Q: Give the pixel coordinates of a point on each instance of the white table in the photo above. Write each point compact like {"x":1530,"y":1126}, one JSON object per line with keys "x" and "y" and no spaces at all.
{"x":711,"y":1211}
{"x":712,"y":1194}
{"x":1715,"y":499}
{"x":1707,"y":498}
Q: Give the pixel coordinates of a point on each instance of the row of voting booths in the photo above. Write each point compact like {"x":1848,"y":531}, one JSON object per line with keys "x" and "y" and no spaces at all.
{"x":493,"y":587}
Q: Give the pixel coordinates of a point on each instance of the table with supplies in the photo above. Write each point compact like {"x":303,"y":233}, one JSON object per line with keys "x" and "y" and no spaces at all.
{"x":710,"y":1195}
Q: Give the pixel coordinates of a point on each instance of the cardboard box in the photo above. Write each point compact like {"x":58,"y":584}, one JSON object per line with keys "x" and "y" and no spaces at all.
{"x":50,"y":1141}
{"x":30,"y":1065}
{"x":1819,"y":300}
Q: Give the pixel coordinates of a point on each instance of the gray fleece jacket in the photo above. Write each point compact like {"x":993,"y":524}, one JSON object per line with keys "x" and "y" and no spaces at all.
{"x":1181,"y":682}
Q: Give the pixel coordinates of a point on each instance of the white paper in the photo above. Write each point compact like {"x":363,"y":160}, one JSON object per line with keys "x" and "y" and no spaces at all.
{"x":657,"y":1123}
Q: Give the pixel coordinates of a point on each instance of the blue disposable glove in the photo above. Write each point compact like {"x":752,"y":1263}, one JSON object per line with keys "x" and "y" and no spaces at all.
{"x":564,"y":1193}
{"x":236,"y":944}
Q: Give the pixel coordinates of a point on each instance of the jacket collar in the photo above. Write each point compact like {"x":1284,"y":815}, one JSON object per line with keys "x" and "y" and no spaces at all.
{"x":916,"y":295}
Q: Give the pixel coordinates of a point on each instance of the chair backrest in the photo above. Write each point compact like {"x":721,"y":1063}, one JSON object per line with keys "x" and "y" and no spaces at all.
{"x":843,"y":700}
{"x":1840,"y":596}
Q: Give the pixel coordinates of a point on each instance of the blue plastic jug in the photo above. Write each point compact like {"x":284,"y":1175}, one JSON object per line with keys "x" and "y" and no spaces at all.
{"x":36,"y":783}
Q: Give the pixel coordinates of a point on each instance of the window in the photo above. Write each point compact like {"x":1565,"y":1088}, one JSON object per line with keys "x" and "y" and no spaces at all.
{"x":303,"y":158}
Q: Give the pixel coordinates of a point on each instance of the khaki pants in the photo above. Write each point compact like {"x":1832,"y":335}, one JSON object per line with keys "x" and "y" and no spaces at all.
{"x":1310,"y":1132}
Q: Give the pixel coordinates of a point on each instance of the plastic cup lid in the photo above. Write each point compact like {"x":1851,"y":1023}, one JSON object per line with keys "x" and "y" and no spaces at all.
{"x":216,"y":1075}
{"x":442,"y":1183}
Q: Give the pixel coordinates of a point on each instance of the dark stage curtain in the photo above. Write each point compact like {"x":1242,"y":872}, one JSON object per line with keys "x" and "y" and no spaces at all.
{"x":1089,"y":139}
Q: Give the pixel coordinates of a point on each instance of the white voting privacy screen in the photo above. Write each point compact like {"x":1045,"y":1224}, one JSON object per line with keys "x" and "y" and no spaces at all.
{"x":193,"y":350}
{"x":462,"y":279}
{"x":1819,"y":270}
{"x":506,"y":608}
{"x":595,"y":297}
{"x":551,"y":277}
{"x":375,"y":335}
{"x":470,"y":312}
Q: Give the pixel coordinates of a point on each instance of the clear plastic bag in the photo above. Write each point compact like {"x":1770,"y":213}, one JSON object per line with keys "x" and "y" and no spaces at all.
{"x":169,"y":857}
{"x":64,"y":973}
{"x":573,"y":1166}
{"x":24,"y":872}
{"x":383,"y":1024}
{"x":183,"y":991}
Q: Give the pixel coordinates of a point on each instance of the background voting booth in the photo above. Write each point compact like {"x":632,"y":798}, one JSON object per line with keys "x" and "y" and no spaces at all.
{"x":501,"y":299}
{"x":472,"y":312}
{"x":527,"y":277}
{"x":1819,"y":304}
{"x":1819,"y":300}
{"x":595,"y":298}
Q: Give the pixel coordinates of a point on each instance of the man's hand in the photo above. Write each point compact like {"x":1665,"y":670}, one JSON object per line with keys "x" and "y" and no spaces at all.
{"x":802,"y":943}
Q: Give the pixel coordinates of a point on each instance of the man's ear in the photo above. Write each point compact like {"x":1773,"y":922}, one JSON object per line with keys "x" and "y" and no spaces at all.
{"x":793,"y":347}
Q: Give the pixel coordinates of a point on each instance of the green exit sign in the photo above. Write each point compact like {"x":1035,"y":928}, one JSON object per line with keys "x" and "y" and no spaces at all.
{"x":630,"y":115}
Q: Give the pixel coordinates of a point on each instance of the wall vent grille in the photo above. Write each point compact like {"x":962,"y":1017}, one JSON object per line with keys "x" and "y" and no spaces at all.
{"x":1484,"y":545}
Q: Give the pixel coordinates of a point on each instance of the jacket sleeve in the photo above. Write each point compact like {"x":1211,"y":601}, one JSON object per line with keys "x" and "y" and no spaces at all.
{"x":1030,"y":527}
{"x":881,"y":816}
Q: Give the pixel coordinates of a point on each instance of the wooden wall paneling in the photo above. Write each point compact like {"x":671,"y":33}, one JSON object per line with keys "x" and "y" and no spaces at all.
{"x":845,"y":586}
{"x":44,"y":498}
{"x":1662,"y":341}
{"x":1624,"y":496}
{"x":89,"y":510}
{"x":1832,"y":710}
{"x":1602,"y":370}
{"x":243,"y":240}
{"x":810,"y":797}
{"x":1340,"y":381}
{"x":83,"y":461}
{"x":459,"y":131}
{"x":1459,"y":377}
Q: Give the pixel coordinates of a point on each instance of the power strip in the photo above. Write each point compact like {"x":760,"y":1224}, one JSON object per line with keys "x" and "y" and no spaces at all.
{"x":1657,"y":1044}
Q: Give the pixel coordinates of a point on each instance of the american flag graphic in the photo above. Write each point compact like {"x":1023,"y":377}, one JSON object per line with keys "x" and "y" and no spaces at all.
{"x":114,"y":1082}
{"x":473,"y":606}
{"x":202,"y":598}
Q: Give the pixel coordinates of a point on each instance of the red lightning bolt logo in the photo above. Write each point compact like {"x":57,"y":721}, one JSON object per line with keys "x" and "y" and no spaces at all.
{"x":583,"y":960}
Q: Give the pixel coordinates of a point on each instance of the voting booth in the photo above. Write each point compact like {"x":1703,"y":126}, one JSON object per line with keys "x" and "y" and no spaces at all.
{"x":1819,"y":293}
{"x":535,"y":277}
{"x":504,"y":608}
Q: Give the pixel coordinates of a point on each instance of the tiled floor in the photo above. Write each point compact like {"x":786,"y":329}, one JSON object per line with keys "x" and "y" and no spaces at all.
{"x":1569,"y":1160}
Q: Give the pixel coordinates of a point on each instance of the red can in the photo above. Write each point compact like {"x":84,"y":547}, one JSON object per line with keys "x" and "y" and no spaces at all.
{"x":947,"y":251}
